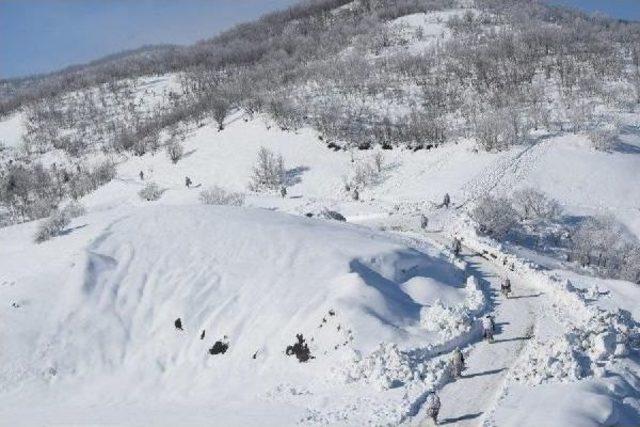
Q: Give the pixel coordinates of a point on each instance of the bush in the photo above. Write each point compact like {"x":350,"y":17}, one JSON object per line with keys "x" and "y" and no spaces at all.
{"x":150,"y":192}
{"x":604,"y":138}
{"x":630,"y":269}
{"x":52,"y":226}
{"x":532,"y":204}
{"x":494,"y":216}
{"x":87,"y":181}
{"x":603,"y":243}
{"x":219,"y":196}
{"x":175,"y":151}
{"x":269,"y":172}
{"x":73,"y":210}
{"x":27,"y":191}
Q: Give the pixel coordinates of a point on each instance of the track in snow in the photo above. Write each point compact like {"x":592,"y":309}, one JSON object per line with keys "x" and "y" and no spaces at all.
{"x":469,"y":400}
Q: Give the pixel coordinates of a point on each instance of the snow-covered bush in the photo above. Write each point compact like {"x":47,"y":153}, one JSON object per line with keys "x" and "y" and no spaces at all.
{"x":494,"y":216}
{"x":630,"y":269}
{"x":150,"y":192}
{"x":496,"y":130}
{"x":27,"y":191}
{"x":603,"y":243}
{"x":175,"y":151}
{"x":603,"y":138}
{"x":533,"y":204}
{"x":74,"y":209}
{"x":364,"y":174}
{"x":52,"y":226}
{"x":90,"y":178}
{"x":219,"y":196}
{"x":269,"y":172}
{"x":596,"y":241}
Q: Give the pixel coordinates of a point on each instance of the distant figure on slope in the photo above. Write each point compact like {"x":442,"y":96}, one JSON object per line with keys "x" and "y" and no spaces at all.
{"x":456,"y":246}
{"x":355,"y":195}
{"x":424,"y":222}
{"x":505,"y":287}
{"x":447,"y":201}
{"x":187,"y":182}
{"x":141,"y":176}
{"x":178,"y":324}
{"x":457,"y":363}
{"x":283,"y":191}
{"x":433,"y":406}
{"x":487,"y":328}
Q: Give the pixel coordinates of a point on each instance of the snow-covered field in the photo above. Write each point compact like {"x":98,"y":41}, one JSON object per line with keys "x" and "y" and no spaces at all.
{"x":91,"y":338}
{"x":173,"y":312}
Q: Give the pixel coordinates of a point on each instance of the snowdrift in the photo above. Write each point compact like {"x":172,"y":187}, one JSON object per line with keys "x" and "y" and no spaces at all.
{"x":252,"y":278}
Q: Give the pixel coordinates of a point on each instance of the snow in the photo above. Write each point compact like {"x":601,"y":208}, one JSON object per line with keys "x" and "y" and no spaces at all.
{"x":117,"y":282}
{"x":260,"y":277}
{"x":380,"y":302}
{"x":11,"y":130}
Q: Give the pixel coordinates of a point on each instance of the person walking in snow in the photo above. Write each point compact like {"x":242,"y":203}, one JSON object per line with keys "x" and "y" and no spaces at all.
{"x":187,"y":182}
{"x":505,"y":287}
{"x":355,"y":195}
{"x":457,"y":362}
{"x":283,"y":191}
{"x":433,"y":406}
{"x":488,"y":327}
{"x":456,"y":246}
{"x":447,"y":201}
{"x":178,"y":324}
{"x":424,"y":221}
{"x":141,"y":176}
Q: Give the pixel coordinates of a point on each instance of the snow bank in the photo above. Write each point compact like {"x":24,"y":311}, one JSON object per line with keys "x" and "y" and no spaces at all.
{"x":593,"y":336}
{"x":256,"y":277}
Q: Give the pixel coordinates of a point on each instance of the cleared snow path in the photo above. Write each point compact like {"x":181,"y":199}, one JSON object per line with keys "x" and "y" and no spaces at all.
{"x":468,"y":400}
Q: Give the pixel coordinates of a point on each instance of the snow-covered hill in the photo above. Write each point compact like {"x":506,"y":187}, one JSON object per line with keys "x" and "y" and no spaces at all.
{"x":96,"y":305}
{"x":275,"y":312}
{"x":99,"y":305}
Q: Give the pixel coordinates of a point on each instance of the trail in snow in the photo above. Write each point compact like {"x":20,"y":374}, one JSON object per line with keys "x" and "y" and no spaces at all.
{"x":470,"y":399}
{"x":495,"y":174}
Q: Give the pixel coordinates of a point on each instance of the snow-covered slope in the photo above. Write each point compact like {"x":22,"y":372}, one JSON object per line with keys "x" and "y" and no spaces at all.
{"x":116,"y":283}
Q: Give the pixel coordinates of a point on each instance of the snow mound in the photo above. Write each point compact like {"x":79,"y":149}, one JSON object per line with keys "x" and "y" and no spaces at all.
{"x":251,"y":278}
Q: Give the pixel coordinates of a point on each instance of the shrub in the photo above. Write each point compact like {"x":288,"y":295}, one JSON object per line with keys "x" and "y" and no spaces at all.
{"x":366,"y":173}
{"x":604,"y":138}
{"x":494,"y":216}
{"x":603,"y":243}
{"x":219,"y":196}
{"x":52,"y":226}
{"x":87,"y":181}
{"x":74,"y":209}
{"x":150,"y":192}
{"x":175,"y":151}
{"x":532,"y":204}
{"x":630,"y":269}
{"x":269,"y":172}
{"x":598,"y":241}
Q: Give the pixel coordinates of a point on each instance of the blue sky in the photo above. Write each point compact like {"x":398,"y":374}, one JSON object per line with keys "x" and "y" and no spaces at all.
{"x":623,"y":9}
{"x":44,"y":35}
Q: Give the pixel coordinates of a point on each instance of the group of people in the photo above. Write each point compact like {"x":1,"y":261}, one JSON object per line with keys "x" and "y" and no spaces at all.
{"x":432,"y":402}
